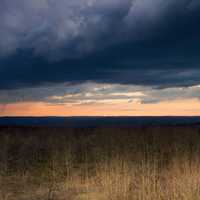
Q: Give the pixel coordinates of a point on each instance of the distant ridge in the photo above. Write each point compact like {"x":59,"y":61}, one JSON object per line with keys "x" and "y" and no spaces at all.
{"x":86,"y":122}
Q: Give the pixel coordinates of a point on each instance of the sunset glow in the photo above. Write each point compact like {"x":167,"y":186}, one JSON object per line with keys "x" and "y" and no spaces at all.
{"x":173,"y":108}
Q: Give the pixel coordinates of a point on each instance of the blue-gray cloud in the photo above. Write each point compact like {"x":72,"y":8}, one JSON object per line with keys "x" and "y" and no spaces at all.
{"x":64,"y":28}
{"x":95,"y":93}
{"x":75,"y":27}
{"x":140,"y":42}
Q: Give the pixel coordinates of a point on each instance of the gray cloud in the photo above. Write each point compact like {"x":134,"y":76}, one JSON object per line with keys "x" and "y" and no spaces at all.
{"x":66,"y":28}
{"x":151,"y":44}
{"x":51,"y":27}
{"x":96,"y":93}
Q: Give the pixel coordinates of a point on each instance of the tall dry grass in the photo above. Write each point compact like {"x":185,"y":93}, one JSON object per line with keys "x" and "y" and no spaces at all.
{"x":142,"y":163}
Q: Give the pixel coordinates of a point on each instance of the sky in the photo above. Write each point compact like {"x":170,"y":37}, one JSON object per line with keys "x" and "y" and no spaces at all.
{"x":99,"y":58}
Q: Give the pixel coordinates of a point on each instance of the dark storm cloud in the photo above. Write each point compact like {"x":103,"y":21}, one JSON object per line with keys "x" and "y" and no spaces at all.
{"x":143,"y":42}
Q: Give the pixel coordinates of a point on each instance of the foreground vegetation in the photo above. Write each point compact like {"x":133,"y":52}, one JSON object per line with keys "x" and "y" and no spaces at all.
{"x":143,"y":163}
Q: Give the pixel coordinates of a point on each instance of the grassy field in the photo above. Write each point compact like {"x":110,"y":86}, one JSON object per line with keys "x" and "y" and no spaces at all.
{"x":143,"y":163}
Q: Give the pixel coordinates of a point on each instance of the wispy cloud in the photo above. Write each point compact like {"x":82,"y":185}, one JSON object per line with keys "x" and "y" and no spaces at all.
{"x":94,"y":93}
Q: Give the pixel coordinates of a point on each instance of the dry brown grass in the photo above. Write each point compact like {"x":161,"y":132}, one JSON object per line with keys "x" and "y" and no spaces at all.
{"x":149,"y":163}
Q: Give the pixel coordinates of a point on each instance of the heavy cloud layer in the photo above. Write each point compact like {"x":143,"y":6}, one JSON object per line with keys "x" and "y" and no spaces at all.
{"x":143,"y":42}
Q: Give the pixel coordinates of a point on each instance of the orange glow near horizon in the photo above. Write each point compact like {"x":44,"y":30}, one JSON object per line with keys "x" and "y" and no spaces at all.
{"x":189,"y":107}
